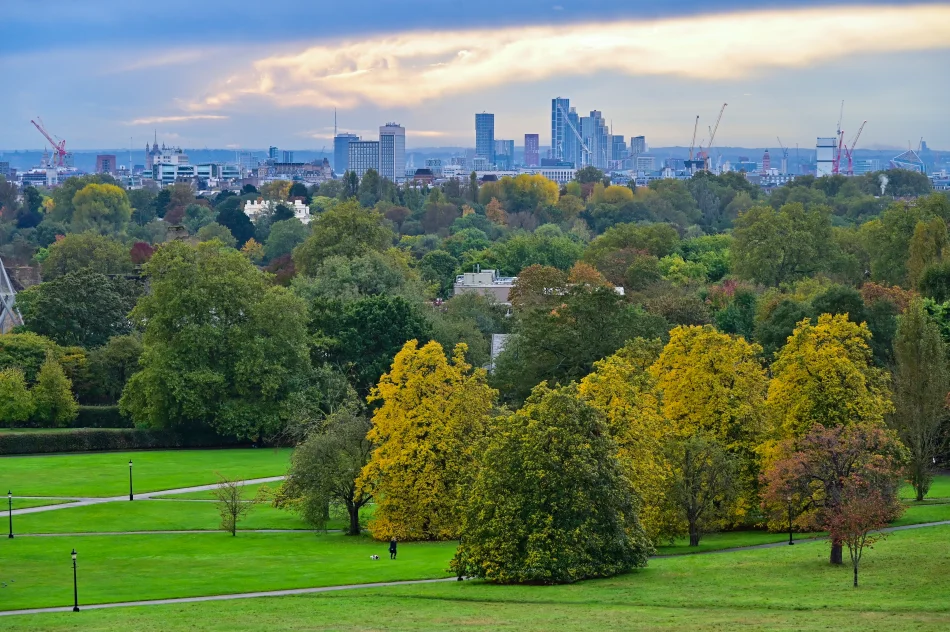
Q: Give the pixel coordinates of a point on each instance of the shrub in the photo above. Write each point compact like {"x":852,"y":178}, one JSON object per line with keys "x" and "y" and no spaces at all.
{"x":105,"y":439}
{"x":100,"y":417}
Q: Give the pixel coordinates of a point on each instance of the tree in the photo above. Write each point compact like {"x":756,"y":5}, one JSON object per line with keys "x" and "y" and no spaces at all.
{"x":233,"y":502}
{"x":82,"y":308}
{"x":495,"y":212}
{"x":253,"y":251}
{"x":276,"y":190}
{"x":438,"y":268}
{"x":431,"y":415}
{"x":589,"y":175}
{"x":625,"y":393}
{"x":101,"y":207}
{"x":63,"y":195}
{"x":16,"y":402}
{"x":921,"y":385}
{"x":773,"y":247}
{"x":368,"y":192}
{"x":324,"y":468}
{"x":111,"y":366}
{"x":812,"y":472}
{"x":935,"y":281}
{"x":284,"y":236}
{"x":222,"y":347}
{"x":25,"y":351}
{"x":362,"y":337}
{"x":928,"y":245}
{"x":78,"y":251}
{"x":348,"y":230}
{"x":562,"y":344}
{"x":235,"y":220}
{"x":826,"y":375}
{"x":703,"y":485}
{"x":864,"y":511}
{"x":53,"y":400}
{"x":213,"y":231}
{"x":197,"y":216}
{"x":550,"y":503}
{"x":299,"y":190}
{"x":538,"y":287}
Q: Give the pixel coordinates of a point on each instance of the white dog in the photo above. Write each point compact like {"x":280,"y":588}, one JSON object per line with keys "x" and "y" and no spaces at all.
{"x":374,"y":557}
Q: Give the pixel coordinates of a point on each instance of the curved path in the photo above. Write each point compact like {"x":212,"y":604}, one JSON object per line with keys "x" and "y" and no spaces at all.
{"x":83,"y":502}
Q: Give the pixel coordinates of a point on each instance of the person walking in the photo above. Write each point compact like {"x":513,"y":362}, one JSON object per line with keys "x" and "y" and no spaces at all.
{"x":392,"y":549}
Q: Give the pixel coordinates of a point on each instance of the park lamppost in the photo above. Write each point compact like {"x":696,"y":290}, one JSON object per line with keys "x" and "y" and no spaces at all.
{"x":10,"y":509}
{"x":790,"y":541}
{"x":75,"y":588}
{"x":130,"y":480}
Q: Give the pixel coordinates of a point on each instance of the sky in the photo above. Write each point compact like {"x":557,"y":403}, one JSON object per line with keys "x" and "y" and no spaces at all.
{"x":246,"y":74}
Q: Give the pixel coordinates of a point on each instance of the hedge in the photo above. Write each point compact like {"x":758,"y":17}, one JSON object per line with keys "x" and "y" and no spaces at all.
{"x":100,"y":417}
{"x":104,"y":439}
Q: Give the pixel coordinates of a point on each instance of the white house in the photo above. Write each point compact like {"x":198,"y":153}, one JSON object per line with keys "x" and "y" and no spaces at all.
{"x":261,"y":207}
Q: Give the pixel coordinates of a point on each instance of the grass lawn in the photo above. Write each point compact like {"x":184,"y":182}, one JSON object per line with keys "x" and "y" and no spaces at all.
{"x":904,"y":587}
{"x":26,"y":503}
{"x":20,"y":430}
{"x":940,"y":488}
{"x":107,"y":474}
{"x":130,"y":567}
{"x":250,"y":490}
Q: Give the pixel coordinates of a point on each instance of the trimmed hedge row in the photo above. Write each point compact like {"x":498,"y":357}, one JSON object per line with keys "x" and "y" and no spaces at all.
{"x":104,"y":439}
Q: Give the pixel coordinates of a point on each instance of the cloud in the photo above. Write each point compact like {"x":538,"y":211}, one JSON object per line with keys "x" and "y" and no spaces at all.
{"x":405,"y":69}
{"x":177,"y":119}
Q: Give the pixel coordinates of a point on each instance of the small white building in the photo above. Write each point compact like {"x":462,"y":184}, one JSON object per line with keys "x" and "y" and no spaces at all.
{"x":486,"y":283}
{"x":256,"y":208}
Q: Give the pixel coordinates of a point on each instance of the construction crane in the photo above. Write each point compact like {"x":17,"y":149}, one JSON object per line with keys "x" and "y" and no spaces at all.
{"x":692,"y":143}
{"x":849,"y":149}
{"x":784,"y":155}
{"x":580,"y":138}
{"x":836,"y":163}
{"x":712,"y":137}
{"x":59,"y":148}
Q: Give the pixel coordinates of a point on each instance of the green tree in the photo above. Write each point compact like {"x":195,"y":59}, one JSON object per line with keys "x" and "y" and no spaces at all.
{"x":438,"y":268}
{"x":217,"y":231}
{"x":774,"y":247}
{"x":928,"y":245}
{"x":589,"y":175}
{"x":284,"y":236}
{"x":704,"y":484}
{"x":197,"y":216}
{"x":63,"y":195}
{"x":82,"y":308}
{"x":346,"y":229}
{"x":324,"y":469}
{"x":101,"y":207}
{"x":921,"y":385}
{"x":91,"y":251}
{"x":935,"y":281}
{"x":111,"y":366}
{"x":235,"y":220}
{"x":222,"y":346}
{"x":53,"y":400}
{"x":16,"y":402}
{"x":550,"y":503}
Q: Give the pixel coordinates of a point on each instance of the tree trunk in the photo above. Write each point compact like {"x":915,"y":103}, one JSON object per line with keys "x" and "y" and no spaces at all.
{"x":920,"y":493}
{"x":855,"y":575}
{"x":694,"y":535}
{"x":354,"y":512}
{"x":836,"y":553}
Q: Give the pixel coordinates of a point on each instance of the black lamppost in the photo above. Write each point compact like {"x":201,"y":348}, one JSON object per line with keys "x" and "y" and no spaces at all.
{"x":10,"y":505}
{"x":75,"y":588}
{"x":790,"y":541}
{"x":130,"y":480}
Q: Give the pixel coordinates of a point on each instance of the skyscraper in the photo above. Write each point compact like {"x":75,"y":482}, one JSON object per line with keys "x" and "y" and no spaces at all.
{"x":559,"y":109}
{"x":485,"y":137}
{"x":531,"y":153}
{"x":638,"y":145}
{"x":594,"y":132}
{"x":504,"y":154}
{"x":392,"y":152}
{"x":272,"y":153}
{"x":363,"y":156}
{"x":341,"y":152}
{"x":288,"y":156}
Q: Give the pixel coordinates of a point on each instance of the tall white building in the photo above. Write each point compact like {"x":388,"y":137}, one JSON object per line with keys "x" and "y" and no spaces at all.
{"x":826,"y":148}
{"x":363,"y":156}
{"x":392,"y":152}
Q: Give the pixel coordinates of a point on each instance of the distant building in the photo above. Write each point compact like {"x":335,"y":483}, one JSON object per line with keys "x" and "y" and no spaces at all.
{"x":363,"y":155}
{"x":105,"y":163}
{"x":618,"y":148}
{"x":866,"y":165}
{"x":638,"y":145}
{"x":565,"y":127}
{"x":485,"y":137}
{"x":826,"y":148}
{"x":5,"y":170}
{"x":766,"y":162}
{"x":532,"y":156}
{"x":341,"y":152}
{"x":392,"y":152}
{"x":594,"y":132}
{"x":486,"y":283}
{"x":272,"y":154}
{"x":253,"y":209}
{"x":434,"y":165}
{"x":504,"y":154}
{"x":287,"y":156}
{"x":645,"y":163}
{"x":423,"y":176}
{"x":909,"y":161}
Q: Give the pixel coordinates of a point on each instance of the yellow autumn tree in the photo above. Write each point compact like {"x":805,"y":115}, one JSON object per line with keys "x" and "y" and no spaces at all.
{"x":432,"y":414}
{"x":713,"y":383}
{"x":825,"y":374}
{"x":624,"y":391}
{"x":253,"y":250}
{"x":585,"y":274}
{"x":496,"y":213}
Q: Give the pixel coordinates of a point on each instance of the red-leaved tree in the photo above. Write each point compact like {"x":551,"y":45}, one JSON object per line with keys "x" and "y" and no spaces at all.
{"x":838,"y":478}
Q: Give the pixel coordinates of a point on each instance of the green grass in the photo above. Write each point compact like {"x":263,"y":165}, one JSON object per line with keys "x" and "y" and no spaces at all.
{"x":917,"y":514}
{"x":107,"y":474}
{"x":21,"y":430}
{"x":131,"y":567}
{"x":250,"y":490}
{"x":940,"y":488}
{"x":903,"y":587}
{"x":26,"y":503}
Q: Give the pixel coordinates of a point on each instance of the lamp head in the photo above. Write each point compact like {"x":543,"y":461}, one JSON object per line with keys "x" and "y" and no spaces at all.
{"x":10,"y":494}
{"x":130,"y":462}
{"x":74,"y":555}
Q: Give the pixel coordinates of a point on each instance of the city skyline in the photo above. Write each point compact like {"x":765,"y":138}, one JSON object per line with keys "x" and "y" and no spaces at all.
{"x":780,"y":72}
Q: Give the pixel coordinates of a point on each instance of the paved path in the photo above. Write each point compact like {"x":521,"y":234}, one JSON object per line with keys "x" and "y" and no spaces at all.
{"x":84,"y":502}
{"x":252,"y":595}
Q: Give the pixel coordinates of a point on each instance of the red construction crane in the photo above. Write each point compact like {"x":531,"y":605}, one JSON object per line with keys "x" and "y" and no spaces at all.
{"x":849,"y":151}
{"x":59,"y":149}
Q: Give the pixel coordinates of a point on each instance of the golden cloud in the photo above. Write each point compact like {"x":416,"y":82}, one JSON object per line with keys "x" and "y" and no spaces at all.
{"x":409,"y":68}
